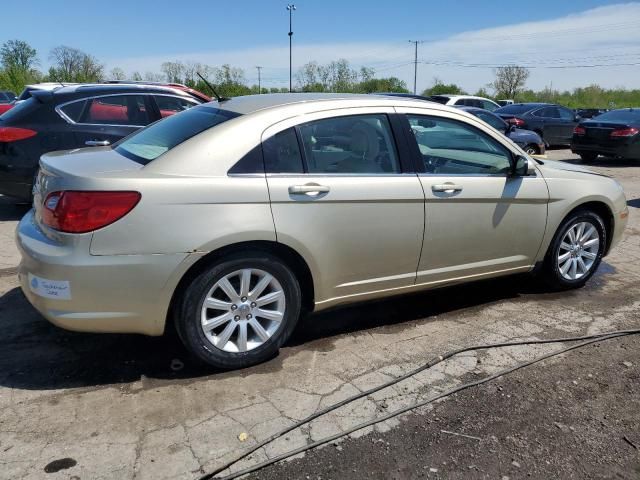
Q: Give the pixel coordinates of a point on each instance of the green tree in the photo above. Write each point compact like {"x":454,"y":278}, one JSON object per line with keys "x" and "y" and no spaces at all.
{"x":440,"y":88}
{"x":117,"y":73}
{"x":510,"y":80}
{"x":73,"y":65}
{"x":17,"y":61}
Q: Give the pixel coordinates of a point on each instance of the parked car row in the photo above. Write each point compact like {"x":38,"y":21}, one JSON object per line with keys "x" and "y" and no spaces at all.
{"x":229,"y":220}
{"x":62,"y":118}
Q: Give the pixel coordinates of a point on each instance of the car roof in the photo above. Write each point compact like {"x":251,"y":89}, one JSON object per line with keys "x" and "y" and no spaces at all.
{"x":252,"y":103}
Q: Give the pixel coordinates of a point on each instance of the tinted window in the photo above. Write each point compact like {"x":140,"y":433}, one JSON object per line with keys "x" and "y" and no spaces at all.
{"x":495,"y":122}
{"x":21,"y":110}
{"x":282,"y":153}
{"x":353,"y":144}
{"x":149,"y":143}
{"x":566,"y":114}
{"x":171,"y":105}
{"x":74,"y":110}
{"x":439,"y":98}
{"x":487,"y":105}
{"x":547,"y":112}
{"x":26,"y":94}
{"x":116,"y":110}
{"x":514,"y":109}
{"x":625,"y":116}
{"x":455,"y":148}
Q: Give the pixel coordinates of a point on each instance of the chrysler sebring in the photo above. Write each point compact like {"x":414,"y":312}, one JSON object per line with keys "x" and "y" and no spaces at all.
{"x":233,"y":218}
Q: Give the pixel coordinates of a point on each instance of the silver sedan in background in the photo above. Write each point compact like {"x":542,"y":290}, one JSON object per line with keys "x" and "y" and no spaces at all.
{"x":234,"y":218}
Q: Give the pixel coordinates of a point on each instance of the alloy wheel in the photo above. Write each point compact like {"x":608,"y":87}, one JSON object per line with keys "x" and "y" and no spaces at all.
{"x":578,"y":250}
{"x":243,"y":310}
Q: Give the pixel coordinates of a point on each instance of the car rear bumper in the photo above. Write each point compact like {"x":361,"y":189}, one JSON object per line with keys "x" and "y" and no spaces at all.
{"x":620,"y":151}
{"x":78,"y":291}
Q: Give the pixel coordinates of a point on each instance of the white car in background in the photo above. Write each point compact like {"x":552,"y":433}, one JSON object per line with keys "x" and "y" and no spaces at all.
{"x":465,"y":101}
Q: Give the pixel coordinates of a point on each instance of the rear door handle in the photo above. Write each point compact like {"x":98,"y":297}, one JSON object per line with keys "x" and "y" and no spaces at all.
{"x":309,"y":188}
{"x":97,"y":143}
{"x":447,"y":188}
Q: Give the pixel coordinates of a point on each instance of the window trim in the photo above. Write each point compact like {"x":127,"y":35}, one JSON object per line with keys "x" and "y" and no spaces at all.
{"x":420,"y":167}
{"x":146,"y":95}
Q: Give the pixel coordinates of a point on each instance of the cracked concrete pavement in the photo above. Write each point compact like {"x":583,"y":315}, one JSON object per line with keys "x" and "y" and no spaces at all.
{"x":112,"y":407}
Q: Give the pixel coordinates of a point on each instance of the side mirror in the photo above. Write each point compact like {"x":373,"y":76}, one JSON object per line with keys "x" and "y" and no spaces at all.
{"x":577,"y":118}
{"x":523,"y":167}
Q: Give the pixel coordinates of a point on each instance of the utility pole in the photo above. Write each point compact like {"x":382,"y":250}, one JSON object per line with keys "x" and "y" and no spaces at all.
{"x":291,"y":7}
{"x":415,"y":65}
{"x":259,"y":78}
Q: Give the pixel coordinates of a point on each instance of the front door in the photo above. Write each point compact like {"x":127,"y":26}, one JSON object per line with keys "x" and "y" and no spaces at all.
{"x":342,"y":195}
{"x":480,"y":219}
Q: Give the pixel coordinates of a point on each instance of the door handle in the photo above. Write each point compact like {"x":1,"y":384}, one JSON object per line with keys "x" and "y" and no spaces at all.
{"x":97,"y":143}
{"x":447,"y":188}
{"x":310,"y":188}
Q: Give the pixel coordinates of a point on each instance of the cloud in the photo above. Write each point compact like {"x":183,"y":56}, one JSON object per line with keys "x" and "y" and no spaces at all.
{"x":600,"y":36}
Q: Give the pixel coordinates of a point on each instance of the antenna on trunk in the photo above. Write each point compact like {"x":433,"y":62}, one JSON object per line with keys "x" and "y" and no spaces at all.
{"x":213,"y":90}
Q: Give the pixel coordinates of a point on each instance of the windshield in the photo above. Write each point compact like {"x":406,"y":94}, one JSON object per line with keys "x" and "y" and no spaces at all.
{"x":149,"y":143}
{"x":624,"y":116}
{"x":514,"y":109}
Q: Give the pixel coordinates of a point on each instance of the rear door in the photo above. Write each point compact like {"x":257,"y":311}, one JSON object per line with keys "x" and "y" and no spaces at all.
{"x":567,"y":124}
{"x":343,"y":193}
{"x":552,"y":125}
{"x":480,"y":219}
{"x":103,"y":120}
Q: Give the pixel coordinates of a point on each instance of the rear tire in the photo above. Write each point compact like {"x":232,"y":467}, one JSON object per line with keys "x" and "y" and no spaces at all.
{"x":576,"y":251}
{"x":588,"y":157}
{"x":253,"y":302}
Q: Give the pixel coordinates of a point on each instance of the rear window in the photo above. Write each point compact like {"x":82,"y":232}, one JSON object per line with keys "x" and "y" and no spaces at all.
{"x":514,"y":109}
{"x":439,"y":98}
{"x":625,"y":116}
{"x":26,"y":94}
{"x":21,"y":109}
{"x":149,"y":143}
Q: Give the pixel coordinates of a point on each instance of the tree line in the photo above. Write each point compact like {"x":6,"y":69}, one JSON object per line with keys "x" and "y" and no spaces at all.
{"x":19,"y":66}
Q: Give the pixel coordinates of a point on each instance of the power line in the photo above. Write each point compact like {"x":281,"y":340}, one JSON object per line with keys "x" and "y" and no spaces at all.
{"x":497,"y":65}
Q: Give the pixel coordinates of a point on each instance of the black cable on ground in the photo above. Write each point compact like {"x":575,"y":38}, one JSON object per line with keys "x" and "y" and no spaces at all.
{"x":589,"y":340}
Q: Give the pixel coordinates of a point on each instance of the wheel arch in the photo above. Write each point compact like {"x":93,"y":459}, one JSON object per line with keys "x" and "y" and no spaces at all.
{"x":285,"y":253}
{"x":602,"y":209}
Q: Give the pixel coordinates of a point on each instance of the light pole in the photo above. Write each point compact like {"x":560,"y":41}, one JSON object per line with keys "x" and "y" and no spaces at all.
{"x":259,"y":82}
{"x":291,"y":7}
{"x":415,"y":65}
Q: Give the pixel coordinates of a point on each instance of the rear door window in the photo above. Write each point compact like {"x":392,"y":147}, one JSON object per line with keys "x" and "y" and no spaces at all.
{"x":169,"y":105}
{"x":116,"y":110}
{"x":358,"y":144}
{"x":149,"y":143}
{"x":566,"y":114}
{"x":282,"y":153}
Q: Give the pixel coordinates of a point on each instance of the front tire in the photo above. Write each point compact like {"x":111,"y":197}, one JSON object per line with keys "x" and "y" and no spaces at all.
{"x":576,"y":250}
{"x":531,"y":149}
{"x":239,"y":311}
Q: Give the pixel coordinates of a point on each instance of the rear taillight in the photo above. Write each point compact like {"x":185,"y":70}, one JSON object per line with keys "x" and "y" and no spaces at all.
{"x":13,"y":134}
{"x":518,"y":122}
{"x":625,"y":132}
{"x":579,"y":131}
{"x":81,"y":212}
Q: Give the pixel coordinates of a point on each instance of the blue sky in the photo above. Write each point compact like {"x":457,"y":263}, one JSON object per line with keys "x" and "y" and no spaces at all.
{"x":140,"y":34}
